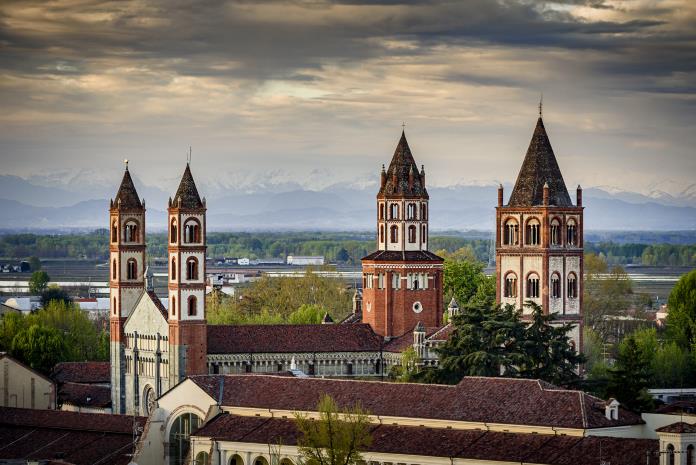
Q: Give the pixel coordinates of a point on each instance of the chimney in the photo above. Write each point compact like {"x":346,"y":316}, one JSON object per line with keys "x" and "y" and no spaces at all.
{"x":383,"y":177}
{"x":611,"y":410}
{"x":578,"y":198}
{"x":546,"y":194}
{"x":500,"y":195}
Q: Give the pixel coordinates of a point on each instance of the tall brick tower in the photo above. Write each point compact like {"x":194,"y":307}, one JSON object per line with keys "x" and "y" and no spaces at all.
{"x":187,"y":239}
{"x":402,"y":280}
{"x":126,"y":282}
{"x":539,"y":238}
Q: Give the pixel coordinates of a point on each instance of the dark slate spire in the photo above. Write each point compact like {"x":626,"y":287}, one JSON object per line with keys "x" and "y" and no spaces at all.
{"x":397,"y":179}
{"x":539,"y":167}
{"x":127,"y":193}
{"x":187,"y":192}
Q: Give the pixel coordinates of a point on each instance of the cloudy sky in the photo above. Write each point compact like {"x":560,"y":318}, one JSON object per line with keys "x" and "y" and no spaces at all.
{"x":316,"y":91}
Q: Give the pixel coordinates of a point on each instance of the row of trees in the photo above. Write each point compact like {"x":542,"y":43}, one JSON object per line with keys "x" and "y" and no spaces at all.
{"x":59,"y":332}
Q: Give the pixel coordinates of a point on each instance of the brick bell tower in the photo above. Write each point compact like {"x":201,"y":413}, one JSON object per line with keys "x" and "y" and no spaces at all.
{"x":126,"y":281}
{"x":402,"y":280}
{"x":187,"y":246}
{"x":539,"y":238}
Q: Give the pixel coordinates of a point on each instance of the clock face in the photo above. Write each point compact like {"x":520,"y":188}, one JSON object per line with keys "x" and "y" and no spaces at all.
{"x":417,"y":307}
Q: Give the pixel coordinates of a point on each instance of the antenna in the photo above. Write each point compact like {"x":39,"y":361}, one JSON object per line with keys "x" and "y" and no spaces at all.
{"x":125,"y":160}
{"x":403,"y":125}
{"x":188,"y":157}
{"x":541,"y":104}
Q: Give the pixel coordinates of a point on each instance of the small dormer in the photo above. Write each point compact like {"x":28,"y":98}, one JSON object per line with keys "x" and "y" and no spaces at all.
{"x":611,"y":410}
{"x":327,"y":320}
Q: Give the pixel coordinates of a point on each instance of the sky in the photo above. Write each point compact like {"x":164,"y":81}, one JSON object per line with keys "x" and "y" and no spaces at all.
{"x":316,"y":92}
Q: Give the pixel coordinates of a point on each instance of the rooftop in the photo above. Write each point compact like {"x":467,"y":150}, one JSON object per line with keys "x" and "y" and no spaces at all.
{"x":187,"y":192}
{"x":127,"y":194}
{"x":403,"y":176}
{"x":82,"y":372}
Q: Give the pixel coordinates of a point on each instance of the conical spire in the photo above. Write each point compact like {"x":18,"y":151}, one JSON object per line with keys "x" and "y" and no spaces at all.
{"x":127,"y":195}
{"x":539,"y":167}
{"x":397,"y":179}
{"x":187,"y":192}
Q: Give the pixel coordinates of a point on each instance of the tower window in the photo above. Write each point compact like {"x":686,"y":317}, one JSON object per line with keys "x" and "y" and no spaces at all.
{"x":423,"y":234}
{"x":510,"y":285}
{"x":114,"y":232}
{"x":173,"y":305}
{"x":571,"y":233}
{"x":131,"y":269}
{"x":531,"y":232}
{"x":381,"y":233}
{"x":396,"y":281}
{"x":380,"y":281}
{"x":114,"y":306}
{"x":533,"y":286}
{"x":670,"y":454}
{"x":131,"y":232}
{"x":369,"y":280}
{"x":555,"y":286}
{"x":192,"y":232}
{"x":511,"y":233}
{"x":173,"y":269}
{"x":192,"y":269}
{"x":394,"y":211}
{"x":192,"y":306}
{"x":381,"y":211}
{"x":555,"y":232}
{"x":173,"y":232}
{"x":411,"y":211}
{"x":572,"y":286}
{"x":424,"y":211}
{"x":114,"y":270}
{"x":394,"y":233}
{"x":412,"y":234}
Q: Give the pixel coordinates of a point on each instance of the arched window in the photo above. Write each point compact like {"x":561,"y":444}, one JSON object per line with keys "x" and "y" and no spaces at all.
{"x":690,"y":455}
{"x":381,"y":233}
{"x":173,"y":273}
{"x":411,"y":211}
{"x":670,"y":456}
{"x":260,"y":461}
{"x":131,"y":269}
{"x":173,"y":232}
{"x":510,"y":285}
{"x":412,"y":234}
{"x":572,"y":286}
{"x":555,"y":232}
{"x":394,"y":211}
{"x":394,"y":234}
{"x":286,"y":461}
{"x":511,"y":232}
{"x":192,"y":232}
{"x":131,"y":231}
{"x":571,"y":233}
{"x":114,"y":270}
{"x":179,"y":437}
{"x":236,"y":460}
{"x":424,"y":211}
{"x":423,"y":234}
{"x":532,"y":232}
{"x":533,"y":286}
{"x":114,"y":232}
{"x":173,"y":306}
{"x":192,"y":307}
{"x":381,"y":211}
{"x":192,"y":269}
{"x":202,"y":458}
{"x":114,"y":306}
{"x":555,"y":286}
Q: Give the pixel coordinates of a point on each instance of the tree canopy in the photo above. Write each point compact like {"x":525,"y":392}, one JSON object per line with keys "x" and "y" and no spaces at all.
{"x":681,"y":318}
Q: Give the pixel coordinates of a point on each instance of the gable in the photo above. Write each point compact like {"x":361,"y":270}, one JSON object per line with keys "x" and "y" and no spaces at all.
{"x":147,"y":317}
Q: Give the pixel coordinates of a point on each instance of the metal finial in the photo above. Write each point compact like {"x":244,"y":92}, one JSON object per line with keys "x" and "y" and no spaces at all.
{"x":188,"y":157}
{"x":403,"y":125}
{"x":126,"y":162}
{"x":541,"y":104}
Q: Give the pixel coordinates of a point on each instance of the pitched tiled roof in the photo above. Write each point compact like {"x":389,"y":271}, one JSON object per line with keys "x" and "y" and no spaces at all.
{"x":187,"y":192}
{"x":442,"y":442}
{"x":70,"y":437}
{"x":85,"y":395}
{"x":402,"y":168}
{"x":403,"y":342}
{"x":127,"y":193}
{"x":474,"y":399}
{"x":539,"y":167}
{"x":397,"y":255}
{"x":679,"y":427}
{"x":244,"y":339}
{"x":82,"y":372}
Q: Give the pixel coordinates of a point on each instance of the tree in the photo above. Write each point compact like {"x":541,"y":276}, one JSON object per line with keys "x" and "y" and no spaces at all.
{"x":464,"y":278}
{"x":408,"y":370}
{"x":38,"y":346}
{"x":485,"y":342}
{"x":629,"y":378}
{"x":548,"y":353}
{"x":681,"y":318}
{"x":338,"y":437}
{"x":307,"y":315}
{"x":35,"y":263}
{"x":38,"y":282}
{"x":54,"y":294}
{"x":342,"y":255}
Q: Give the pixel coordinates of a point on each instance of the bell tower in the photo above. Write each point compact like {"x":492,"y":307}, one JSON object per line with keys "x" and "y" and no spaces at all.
{"x":402,"y":280}
{"x":126,"y":280}
{"x":539,"y":238}
{"x":186,"y":250}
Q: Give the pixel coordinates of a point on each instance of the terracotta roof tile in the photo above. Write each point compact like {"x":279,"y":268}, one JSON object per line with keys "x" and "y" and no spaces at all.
{"x":678,"y":427}
{"x":82,"y":372}
{"x":474,"y":399}
{"x":411,"y":255}
{"x":539,"y":167}
{"x":85,"y":395}
{"x":233,"y":339}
